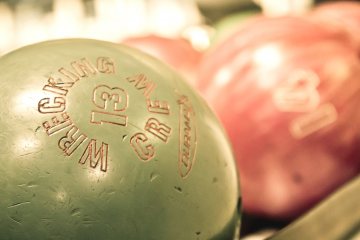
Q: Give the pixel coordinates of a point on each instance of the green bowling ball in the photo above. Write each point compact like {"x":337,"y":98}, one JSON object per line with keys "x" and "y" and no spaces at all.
{"x":100,"y":141}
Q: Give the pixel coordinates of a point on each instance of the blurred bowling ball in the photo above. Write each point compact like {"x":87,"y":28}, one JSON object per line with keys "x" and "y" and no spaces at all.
{"x":99,"y":141}
{"x":287,"y":90}
{"x":343,"y":14}
{"x":177,"y":52}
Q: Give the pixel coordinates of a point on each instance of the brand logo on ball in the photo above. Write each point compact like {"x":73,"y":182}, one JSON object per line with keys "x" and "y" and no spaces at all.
{"x":187,"y":137}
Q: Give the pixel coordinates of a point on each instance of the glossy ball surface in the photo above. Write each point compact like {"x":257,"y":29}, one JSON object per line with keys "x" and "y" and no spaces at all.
{"x":287,"y":90}
{"x":99,"y":141}
{"x":340,"y":14}
{"x":176,"y":52}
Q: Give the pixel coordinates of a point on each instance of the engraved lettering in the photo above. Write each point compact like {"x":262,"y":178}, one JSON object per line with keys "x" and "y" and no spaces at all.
{"x":71,"y":141}
{"x":83,"y":67}
{"x":186,"y":160}
{"x":52,"y":105}
{"x":299,"y":93}
{"x":187,"y":129}
{"x":95,"y":155}
{"x":157,"y":106}
{"x":142,"y":82}
{"x":312,"y":122}
{"x":187,"y":137}
{"x":111,"y":101}
{"x":105,"y":117}
{"x":158,"y":129}
{"x":57,"y":86}
{"x":105,"y":65}
{"x":57,"y":125}
{"x":114,"y":99}
{"x":144,"y":152}
{"x":70,"y":75}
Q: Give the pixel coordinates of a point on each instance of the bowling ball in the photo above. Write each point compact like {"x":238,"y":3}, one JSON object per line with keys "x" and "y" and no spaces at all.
{"x":176,"y":52}
{"x":287,"y":90}
{"x":343,"y":14}
{"x":99,"y":141}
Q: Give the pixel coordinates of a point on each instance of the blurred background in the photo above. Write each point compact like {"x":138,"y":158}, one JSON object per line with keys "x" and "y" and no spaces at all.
{"x":23,"y":22}
{"x":193,"y":26}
